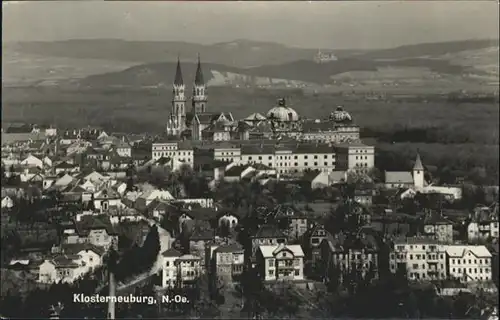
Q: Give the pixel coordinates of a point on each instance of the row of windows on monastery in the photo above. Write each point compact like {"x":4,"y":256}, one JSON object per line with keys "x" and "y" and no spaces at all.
{"x":361,"y":164}
{"x":174,"y":153}
{"x":361,"y":158}
{"x":167,"y":147}
{"x":305,"y":157}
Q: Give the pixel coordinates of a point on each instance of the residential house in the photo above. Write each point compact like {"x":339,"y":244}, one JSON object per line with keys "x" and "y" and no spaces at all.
{"x":280,"y":262}
{"x":200,"y":235}
{"x":32,"y":161}
{"x":269,"y":235}
{"x":90,"y":229}
{"x":294,"y":221}
{"x":317,"y":234}
{"x":47,"y":162}
{"x":483,"y":225}
{"x":118,"y":215}
{"x":157,"y":209}
{"x":63,"y":181}
{"x":208,"y":215}
{"x":48,"y":181}
{"x":95,"y":177}
{"x":181,"y":152}
{"x":469,"y":263}
{"x":31,"y":173}
{"x":169,"y":268}
{"x":90,"y":254}
{"x":419,"y":258}
{"x":179,"y":270}
{"x":229,"y":219}
{"x":325,"y":179}
{"x":438,"y":228}
{"x":107,"y":198}
{"x":228,"y":262}
{"x":63,"y":268}
{"x":189,"y":267}
{"x":364,"y":196}
{"x":124,"y":150}
{"x":349,"y":252}
{"x":149,"y":195}
{"x":7,"y":202}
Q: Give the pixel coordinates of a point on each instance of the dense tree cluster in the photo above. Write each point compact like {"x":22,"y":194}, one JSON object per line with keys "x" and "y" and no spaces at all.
{"x":138,"y":259}
{"x":424,"y":134}
{"x":445,"y":164}
{"x":181,"y":183}
{"x":37,"y":303}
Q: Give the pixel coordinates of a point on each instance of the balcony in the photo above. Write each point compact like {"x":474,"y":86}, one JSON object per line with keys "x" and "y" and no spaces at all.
{"x":432,"y":258}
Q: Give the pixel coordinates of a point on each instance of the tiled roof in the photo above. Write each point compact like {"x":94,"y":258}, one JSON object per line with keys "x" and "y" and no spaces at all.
{"x":398,"y":177}
{"x":78,"y":247}
{"x":271,"y":251}
{"x":458,"y":251}
{"x":233,"y":247}
{"x":64,"y":262}
{"x":269,"y":231}
{"x":235,"y":171}
{"x":345,"y":242}
{"x":171,"y":253}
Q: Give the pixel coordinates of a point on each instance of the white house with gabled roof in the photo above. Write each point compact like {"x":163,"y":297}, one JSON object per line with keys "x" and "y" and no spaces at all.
{"x":469,"y":263}
{"x":280,"y":262}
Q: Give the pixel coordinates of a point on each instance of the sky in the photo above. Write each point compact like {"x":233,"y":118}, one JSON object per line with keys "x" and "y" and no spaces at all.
{"x":336,"y":25}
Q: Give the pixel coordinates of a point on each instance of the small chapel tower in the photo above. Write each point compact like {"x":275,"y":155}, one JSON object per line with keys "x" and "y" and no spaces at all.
{"x":199,"y":91}
{"x":418,"y":173}
{"x":178,"y":113}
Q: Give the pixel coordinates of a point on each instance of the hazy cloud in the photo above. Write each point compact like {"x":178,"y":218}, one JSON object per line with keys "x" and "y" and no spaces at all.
{"x":317,"y":24}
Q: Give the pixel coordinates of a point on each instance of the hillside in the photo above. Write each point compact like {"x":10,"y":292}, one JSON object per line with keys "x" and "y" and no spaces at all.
{"x":238,"y":53}
{"x":429,"y":49}
{"x":293,"y":73}
{"x":110,"y":62}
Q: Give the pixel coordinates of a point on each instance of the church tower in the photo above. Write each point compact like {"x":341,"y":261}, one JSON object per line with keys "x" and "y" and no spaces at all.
{"x":178,"y":114}
{"x":418,"y":173}
{"x":199,"y":91}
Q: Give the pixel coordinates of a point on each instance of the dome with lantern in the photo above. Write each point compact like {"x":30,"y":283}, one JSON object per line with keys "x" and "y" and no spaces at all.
{"x":340,"y":115}
{"x":282,"y":113}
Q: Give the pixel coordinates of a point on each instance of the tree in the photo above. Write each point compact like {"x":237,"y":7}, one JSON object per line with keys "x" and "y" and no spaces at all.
{"x":225,"y":229}
{"x":333,"y":277}
{"x":91,"y":203}
{"x":130,"y":184}
{"x":151,"y":247}
{"x":3,"y":175}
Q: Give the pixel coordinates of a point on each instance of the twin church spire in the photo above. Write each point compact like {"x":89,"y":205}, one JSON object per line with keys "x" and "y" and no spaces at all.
{"x":199,"y":97}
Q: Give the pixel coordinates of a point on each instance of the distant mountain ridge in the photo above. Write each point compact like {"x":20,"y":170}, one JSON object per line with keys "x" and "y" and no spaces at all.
{"x":245,"y":61}
{"x":429,"y":49}
{"x":238,"y":53}
{"x":302,"y":71}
